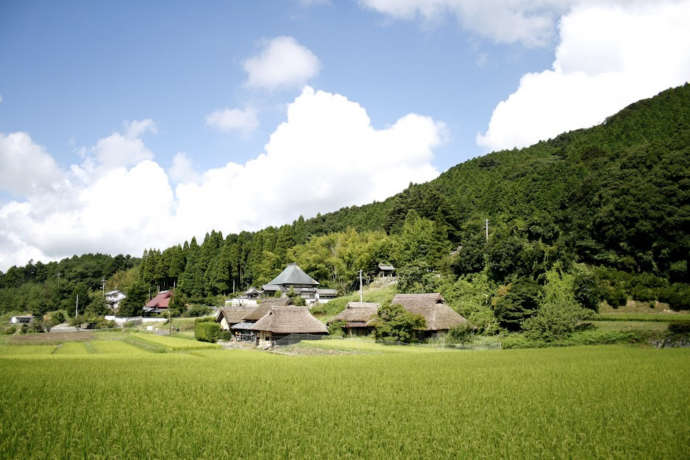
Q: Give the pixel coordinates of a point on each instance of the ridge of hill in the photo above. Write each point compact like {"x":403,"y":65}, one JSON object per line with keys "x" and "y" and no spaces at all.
{"x":616,"y":195}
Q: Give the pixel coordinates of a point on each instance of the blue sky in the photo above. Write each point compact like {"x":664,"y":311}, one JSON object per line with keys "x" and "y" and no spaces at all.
{"x":131,"y":125}
{"x":78,"y":69}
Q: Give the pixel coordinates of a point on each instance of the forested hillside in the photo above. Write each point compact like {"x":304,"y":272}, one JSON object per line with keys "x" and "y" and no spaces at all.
{"x":609,"y":204}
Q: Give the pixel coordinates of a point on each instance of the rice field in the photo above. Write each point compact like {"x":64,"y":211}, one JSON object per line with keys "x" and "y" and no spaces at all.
{"x":127,"y":402}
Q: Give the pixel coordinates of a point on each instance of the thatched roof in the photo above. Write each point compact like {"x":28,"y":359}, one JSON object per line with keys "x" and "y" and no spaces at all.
{"x":293,"y":275}
{"x":264,"y":307}
{"x":358,"y":314}
{"x":234,"y":314}
{"x":290,"y":320}
{"x":436,"y":313}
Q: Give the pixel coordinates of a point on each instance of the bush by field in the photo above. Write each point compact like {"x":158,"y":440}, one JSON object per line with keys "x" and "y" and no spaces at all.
{"x":206,"y":331}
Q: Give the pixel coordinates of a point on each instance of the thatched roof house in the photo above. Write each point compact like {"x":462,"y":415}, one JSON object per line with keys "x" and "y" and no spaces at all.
{"x":229,"y":316}
{"x":264,"y":307}
{"x":439,"y":317}
{"x":358,"y":317}
{"x":287,"y":321}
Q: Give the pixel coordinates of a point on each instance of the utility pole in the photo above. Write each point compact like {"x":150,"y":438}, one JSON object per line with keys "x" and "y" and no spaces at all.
{"x":486,"y":223}
{"x":361,"y":297}
{"x":58,"y":281}
{"x":103,"y":285}
{"x":76,"y":306}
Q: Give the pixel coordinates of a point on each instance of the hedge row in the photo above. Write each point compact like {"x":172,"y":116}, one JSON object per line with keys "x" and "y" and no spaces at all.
{"x":205,"y":331}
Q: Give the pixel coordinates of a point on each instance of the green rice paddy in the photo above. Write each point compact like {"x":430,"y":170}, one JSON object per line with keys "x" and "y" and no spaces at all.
{"x":111,"y":398}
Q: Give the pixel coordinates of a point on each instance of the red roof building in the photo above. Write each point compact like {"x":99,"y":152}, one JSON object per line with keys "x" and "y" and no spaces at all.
{"x":159,"y":303}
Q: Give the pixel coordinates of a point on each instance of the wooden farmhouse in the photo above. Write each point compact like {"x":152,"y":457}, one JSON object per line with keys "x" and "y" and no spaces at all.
{"x":243,"y":330}
{"x":229,"y":316}
{"x":358,"y":318}
{"x":159,"y":303}
{"x":287,"y":323}
{"x":439,"y":317}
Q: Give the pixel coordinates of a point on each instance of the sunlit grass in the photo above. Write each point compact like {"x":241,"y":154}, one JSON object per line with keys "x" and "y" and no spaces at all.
{"x":578,"y":402}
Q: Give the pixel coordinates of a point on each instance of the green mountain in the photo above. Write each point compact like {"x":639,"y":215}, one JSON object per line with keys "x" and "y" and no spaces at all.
{"x":615,"y":196}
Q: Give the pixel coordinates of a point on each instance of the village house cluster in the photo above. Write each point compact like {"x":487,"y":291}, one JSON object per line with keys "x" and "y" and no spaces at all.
{"x":271,"y":321}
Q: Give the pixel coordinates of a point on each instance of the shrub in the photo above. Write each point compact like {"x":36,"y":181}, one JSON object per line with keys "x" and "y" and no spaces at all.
{"x":462,"y":333}
{"x":205,"y":331}
{"x":225,"y":335}
{"x":554,"y":321}
{"x":520,"y":302}
{"x":336,"y":328}
{"x":196,"y":311}
{"x":679,"y":327}
{"x":615,"y":296}
{"x":11,"y":330}
{"x":586,"y":290}
{"x":395,"y":324}
{"x":676,"y":295}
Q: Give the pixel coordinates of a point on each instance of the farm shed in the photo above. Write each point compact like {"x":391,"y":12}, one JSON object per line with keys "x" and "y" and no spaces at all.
{"x":358,"y":317}
{"x":287,"y":321}
{"x":229,"y":316}
{"x":325,"y":295}
{"x":439,"y":317}
{"x":386,"y":270}
{"x":159,"y":303}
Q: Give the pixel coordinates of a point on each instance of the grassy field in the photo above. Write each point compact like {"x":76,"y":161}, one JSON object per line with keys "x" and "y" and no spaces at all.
{"x":395,"y":402}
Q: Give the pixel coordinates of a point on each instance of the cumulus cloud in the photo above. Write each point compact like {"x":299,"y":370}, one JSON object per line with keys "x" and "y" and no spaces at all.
{"x":182,"y":169}
{"x":282,"y":63}
{"x":243,"y":120}
{"x":528,"y":22}
{"x":325,"y":155}
{"x":608,"y":57}
{"x":25,"y":167}
{"x":125,"y":148}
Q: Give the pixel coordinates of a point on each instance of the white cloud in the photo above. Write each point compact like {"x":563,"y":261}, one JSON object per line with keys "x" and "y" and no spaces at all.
{"x":530,"y":22}
{"x":244,"y":120}
{"x":26,"y":168}
{"x":182,"y":169}
{"x":608,"y":57}
{"x":126,"y":148}
{"x":325,"y":155}
{"x":282,"y":63}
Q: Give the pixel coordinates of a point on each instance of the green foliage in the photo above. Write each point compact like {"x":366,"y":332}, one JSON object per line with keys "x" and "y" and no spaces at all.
{"x":518,"y":304}
{"x":97,"y":306}
{"x":677,"y":296}
{"x":133,"y":304}
{"x":395,"y":324}
{"x":336,"y":328}
{"x":463,"y":333}
{"x":586,"y":290}
{"x":559,"y":312}
{"x":471,"y":296}
{"x":206,"y":331}
{"x":196,"y":311}
{"x":225,"y":335}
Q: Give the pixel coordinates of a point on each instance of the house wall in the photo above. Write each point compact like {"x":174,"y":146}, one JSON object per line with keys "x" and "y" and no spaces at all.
{"x":224,"y":324}
{"x":265,"y":339}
